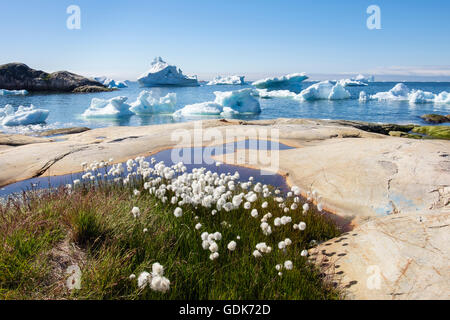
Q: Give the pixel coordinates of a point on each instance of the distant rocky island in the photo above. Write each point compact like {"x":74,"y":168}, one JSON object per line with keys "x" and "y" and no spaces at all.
{"x":18,"y":76}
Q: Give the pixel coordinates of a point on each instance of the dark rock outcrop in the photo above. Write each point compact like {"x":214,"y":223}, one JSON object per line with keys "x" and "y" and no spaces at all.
{"x":435,"y":118}
{"x":90,"y":89}
{"x":63,"y":131}
{"x":18,"y":76}
{"x":375,"y":127}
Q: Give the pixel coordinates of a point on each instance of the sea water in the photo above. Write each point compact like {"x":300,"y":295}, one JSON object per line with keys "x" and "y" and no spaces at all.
{"x":66,"y":108}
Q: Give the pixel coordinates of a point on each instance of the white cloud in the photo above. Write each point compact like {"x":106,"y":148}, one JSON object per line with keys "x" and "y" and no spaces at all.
{"x":422,"y":71}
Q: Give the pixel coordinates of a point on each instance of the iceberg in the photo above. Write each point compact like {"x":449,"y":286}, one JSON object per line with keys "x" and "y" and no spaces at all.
{"x":266,"y":94}
{"x":400,"y":92}
{"x":351,"y":83}
{"x":204,"y":108}
{"x":4,"y":92}
{"x":231,"y":80}
{"x":226,"y":103}
{"x":363,"y":78}
{"x":163,"y":74}
{"x":148,"y":103}
{"x":324,"y":90}
{"x":23,"y":116}
{"x":284,"y":81}
{"x":110,"y":83}
{"x":115,"y":107}
{"x":363,"y":96}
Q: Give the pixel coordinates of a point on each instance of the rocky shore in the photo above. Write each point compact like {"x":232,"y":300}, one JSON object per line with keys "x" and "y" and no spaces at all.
{"x":396,"y":191}
{"x":18,"y":76}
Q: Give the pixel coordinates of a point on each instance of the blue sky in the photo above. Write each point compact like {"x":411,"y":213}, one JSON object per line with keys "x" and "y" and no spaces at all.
{"x":255,"y":38}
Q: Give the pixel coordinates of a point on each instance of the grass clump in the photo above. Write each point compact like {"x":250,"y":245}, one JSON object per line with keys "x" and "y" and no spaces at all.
{"x":120,"y":243}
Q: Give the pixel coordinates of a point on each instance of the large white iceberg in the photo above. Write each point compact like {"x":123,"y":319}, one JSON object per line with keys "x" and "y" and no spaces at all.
{"x":115,"y":107}
{"x":226,"y":103}
{"x":23,"y":116}
{"x":284,"y":81}
{"x":230,"y":80}
{"x":163,"y":74}
{"x":4,"y":92}
{"x":400,"y":92}
{"x":324,"y":90}
{"x":149,"y":103}
{"x":110,"y":83}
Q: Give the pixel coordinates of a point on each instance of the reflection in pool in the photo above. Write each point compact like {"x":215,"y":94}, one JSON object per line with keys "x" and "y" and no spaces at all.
{"x":202,"y":153}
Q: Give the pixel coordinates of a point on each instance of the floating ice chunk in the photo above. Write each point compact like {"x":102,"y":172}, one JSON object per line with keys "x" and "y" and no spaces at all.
{"x":443,"y":97}
{"x":399,"y":92}
{"x":338,"y":92}
{"x":163,"y":74}
{"x":352,"y":83}
{"x":4,"y":92}
{"x":110,"y":83}
{"x":324,"y":90}
{"x":23,"y":116}
{"x":148,"y":103}
{"x":284,"y":81}
{"x":226,"y":103}
{"x":241,"y":101}
{"x":419,"y":96}
{"x":363,"y":78}
{"x":203,"y":108}
{"x":265,"y":94}
{"x":230,"y":80}
{"x":115,"y":107}
{"x":402,"y":93}
{"x":363,"y":96}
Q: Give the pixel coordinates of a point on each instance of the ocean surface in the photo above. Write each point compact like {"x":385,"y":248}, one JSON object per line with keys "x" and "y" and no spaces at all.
{"x":66,"y":109}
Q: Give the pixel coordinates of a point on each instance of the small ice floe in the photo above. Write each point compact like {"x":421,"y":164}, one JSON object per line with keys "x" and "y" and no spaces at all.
{"x":23,"y":116}
{"x":110,"y":83}
{"x":4,"y":92}
{"x":163,"y":74}
{"x":101,"y":108}
{"x":226,"y":103}
{"x":266,"y":94}
{"x":290,"y":79}
{"x":230,"y":80}
{"x":149,"y":103}
{"x":324,"y":90}
{"x":400,"y":92}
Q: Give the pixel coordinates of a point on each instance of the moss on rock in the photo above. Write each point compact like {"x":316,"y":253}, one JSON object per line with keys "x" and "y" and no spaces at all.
{"x":438,"y":132}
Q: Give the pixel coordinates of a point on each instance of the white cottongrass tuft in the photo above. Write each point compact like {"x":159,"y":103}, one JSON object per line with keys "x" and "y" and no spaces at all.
{"x":136,"y":192}
{"x":302,"y":226}
{"x":178,"y":212}
{"x":304,"y":253}
{"x":198,"y":226}
{"x":257,"y":254}
{"x":232,"y":245}
{"x":305,"y":208}
{"x":144,"y":279}
{"x":136,"y":212}
{"x":288,"y":265}
{"x":214,"y":255}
